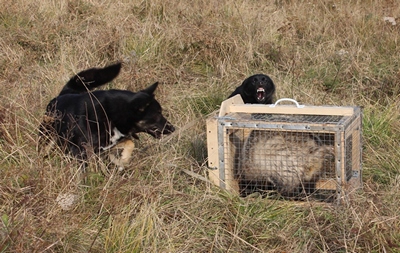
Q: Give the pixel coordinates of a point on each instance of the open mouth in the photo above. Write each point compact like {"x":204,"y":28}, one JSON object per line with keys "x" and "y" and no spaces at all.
{"x":260,"y":94}
{"x":157,"y":133}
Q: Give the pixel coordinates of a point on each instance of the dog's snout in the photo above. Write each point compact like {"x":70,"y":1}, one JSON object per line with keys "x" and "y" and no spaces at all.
{"x":169,"y":128}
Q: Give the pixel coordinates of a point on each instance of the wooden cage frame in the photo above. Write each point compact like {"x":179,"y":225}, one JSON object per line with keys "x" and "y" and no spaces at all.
{"x":220,"y":170}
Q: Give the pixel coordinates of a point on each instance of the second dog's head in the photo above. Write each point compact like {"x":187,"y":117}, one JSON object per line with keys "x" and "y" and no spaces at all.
{"x":258,"y":89}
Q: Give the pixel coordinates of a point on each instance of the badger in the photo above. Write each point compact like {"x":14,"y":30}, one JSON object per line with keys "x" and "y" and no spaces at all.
{"x":287,"y":162}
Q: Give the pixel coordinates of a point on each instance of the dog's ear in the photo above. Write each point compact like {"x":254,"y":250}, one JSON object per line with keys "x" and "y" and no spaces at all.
{"x":150,"y":90}
{"x":143,"y":98}
{"x":248,"y":87}
{"x":140,"y":101}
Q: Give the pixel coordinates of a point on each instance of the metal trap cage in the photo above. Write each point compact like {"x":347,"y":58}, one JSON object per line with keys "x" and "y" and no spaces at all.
{"x":294,"y":151}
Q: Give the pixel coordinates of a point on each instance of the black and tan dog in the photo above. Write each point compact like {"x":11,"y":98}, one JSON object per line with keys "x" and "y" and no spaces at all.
{"x":79,"y":119}
{"x":256,"y":89}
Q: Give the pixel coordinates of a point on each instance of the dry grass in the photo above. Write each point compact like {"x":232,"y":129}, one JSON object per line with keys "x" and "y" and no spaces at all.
{"x":317,"y":52}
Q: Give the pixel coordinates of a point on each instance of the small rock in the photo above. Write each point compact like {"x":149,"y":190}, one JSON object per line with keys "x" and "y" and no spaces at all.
{"x":391,"y":20}
{"x":66,"y":201}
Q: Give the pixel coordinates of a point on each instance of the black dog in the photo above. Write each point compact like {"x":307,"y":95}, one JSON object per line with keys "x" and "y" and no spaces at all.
{"x":79,"y":119}
{"x":256,"y":89}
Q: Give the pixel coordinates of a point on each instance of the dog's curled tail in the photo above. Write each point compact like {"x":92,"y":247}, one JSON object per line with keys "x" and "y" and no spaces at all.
{"x":90,"y":79}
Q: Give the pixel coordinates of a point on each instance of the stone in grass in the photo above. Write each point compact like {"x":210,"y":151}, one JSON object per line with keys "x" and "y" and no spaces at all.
{"x":66,"y":201}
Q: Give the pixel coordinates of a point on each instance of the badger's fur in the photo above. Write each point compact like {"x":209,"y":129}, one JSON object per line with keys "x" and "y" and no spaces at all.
{"x":287,"y":162}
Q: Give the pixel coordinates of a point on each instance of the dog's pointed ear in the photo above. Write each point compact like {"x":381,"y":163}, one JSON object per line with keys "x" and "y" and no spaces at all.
{"x":143,"y":98}
{"x":247,"y":86}
{"x":150,"y":90}
{"x":140,"y":101}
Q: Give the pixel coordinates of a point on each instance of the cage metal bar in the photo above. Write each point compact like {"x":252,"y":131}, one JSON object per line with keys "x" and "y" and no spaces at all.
{"x":221,"y":153}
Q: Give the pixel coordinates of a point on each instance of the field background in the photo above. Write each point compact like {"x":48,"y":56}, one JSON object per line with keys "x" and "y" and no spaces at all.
{"x":317,"y":52}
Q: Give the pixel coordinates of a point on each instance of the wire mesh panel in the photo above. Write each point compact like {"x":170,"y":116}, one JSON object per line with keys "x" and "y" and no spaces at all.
{"x":290,"y":155}
{"x":286,"y":162}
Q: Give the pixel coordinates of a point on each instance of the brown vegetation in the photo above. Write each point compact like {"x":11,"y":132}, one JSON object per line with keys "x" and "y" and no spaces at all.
{"x":317,"y":52}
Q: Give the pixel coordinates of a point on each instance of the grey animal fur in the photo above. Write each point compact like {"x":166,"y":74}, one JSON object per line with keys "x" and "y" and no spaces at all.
{"x":287,"y":161}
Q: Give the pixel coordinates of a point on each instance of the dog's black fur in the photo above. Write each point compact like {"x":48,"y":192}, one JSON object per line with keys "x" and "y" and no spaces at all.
{"x":79,"y":118}
{"x":256,"y":89}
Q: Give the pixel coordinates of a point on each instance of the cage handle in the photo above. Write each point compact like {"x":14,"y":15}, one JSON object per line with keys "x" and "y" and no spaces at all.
{"x":287,"y":99}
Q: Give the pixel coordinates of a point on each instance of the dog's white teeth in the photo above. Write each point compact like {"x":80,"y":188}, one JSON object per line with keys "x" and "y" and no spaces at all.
{"x":260,"y":90}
